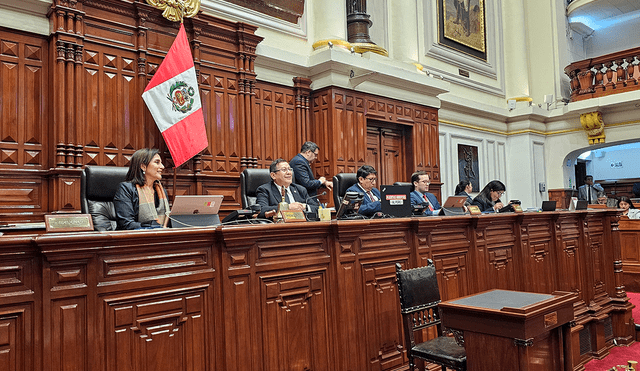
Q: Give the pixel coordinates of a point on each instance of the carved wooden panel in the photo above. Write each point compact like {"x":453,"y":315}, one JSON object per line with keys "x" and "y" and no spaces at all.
{"x":159,"y":330}
{"x":569,"y":251}
{"x":18,"y":336}
{"x":275,"y":128}
{"x":24,"y":111}
{"x":383,"y":339}
{"x":69,"y":347}
{"x":295,"y":311}
{"x":538,"y":245}
{"x":22,"y":194}
{"x":630,"y":253}
{"x":496,"y":257}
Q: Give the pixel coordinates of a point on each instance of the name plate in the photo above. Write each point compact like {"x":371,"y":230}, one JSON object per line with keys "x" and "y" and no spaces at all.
{"x":292,"y":216}
{"x":68,"y":223}
{"x":517,"y":208}
{"x":474,"y":210}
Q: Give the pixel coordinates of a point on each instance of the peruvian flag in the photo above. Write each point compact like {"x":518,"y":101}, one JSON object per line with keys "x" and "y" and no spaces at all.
{"x":173,"y":98}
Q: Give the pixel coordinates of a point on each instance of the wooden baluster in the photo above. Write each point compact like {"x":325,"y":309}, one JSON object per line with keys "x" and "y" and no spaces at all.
{"x":599,"y":84}
{"x":586,"y":82}
{"x":620,"y":73}
{"x":575,"y":84}
{"x":610,"y":84}
{"x":630,"y":80}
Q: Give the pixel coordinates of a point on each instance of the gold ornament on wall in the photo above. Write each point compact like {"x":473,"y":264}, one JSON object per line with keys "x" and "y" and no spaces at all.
{"x":594,"y":126}
{"x":176,"y":10}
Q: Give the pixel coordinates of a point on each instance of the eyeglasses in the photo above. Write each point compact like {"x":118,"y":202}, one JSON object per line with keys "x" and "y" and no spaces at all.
{"x":371,"y":179}
{"x":285,"y":169}
{"x":424,"y":181}
{"x":500,"y":193}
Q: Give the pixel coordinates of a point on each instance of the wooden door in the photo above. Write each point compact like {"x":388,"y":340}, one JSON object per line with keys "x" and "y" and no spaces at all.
{"x":385,"y":152}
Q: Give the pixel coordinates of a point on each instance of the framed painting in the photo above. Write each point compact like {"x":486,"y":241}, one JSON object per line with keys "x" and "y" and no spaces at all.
{"x":461,"y":26}
{"x":468,"y":165}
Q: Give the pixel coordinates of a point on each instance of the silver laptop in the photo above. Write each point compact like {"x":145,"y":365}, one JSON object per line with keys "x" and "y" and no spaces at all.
{"x":195,"y":211}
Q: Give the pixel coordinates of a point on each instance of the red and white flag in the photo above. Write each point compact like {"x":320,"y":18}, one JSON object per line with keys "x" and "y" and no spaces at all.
{"x":173,"y":98}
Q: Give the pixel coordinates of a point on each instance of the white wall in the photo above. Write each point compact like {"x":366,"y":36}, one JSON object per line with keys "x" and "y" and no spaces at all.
{"x":614,"y":165}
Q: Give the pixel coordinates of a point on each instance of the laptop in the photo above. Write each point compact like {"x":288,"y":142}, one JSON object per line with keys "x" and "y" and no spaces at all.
{"x":548,"y":205}
{"x":454,"y":205}
{"x":195,"y":211}
{"x":350,"y":204}
{"x":396,"y":200}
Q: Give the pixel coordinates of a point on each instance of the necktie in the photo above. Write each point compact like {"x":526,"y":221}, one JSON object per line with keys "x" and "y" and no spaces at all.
{"x":371,"y":196}
{"x":286,"y":195}
{"x":589,"y":190}
{"x":428,"y":203}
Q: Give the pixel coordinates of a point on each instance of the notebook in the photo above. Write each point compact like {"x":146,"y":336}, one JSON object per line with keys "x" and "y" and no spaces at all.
{"x":195,"y":211}
{"x":396,"y":200}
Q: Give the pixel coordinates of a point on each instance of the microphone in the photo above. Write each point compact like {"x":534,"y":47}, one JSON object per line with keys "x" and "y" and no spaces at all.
{"x":316,"y":196}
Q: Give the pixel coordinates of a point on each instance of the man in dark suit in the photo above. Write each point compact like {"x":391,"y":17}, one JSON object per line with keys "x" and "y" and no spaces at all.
{"x":269,"y":195}
{"x":589,"y":191}
{"x":302,"y":169}
{"x":367,"y":177}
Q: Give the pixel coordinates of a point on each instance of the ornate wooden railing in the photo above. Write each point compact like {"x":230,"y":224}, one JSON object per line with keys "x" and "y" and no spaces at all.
{"x":605,"y":75}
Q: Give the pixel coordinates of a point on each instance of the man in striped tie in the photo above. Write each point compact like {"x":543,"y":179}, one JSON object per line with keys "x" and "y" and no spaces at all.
{"x":367,"y":178}
{"x":420,"y":195}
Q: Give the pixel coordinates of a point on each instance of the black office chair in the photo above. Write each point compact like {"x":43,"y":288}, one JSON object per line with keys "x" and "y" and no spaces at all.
{"x":250,"y":180}
{"x":402,"y":183}
{"x":98,"y":185}
{"x":419,"y":298}
{"x":342,"y":182}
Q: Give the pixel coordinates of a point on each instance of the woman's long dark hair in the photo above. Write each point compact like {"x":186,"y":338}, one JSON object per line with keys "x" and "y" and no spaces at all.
{"x":462,"y":186}
{"x":494,"y":185}
{"x":627,"y":200}
{"x":142,"y":156}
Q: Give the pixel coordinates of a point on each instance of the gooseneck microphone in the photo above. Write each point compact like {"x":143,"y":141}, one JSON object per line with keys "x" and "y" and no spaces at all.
{"x":306,"y":201}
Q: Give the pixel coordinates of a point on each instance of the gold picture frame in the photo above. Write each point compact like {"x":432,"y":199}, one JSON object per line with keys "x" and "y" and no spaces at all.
{"x":462,"y":26}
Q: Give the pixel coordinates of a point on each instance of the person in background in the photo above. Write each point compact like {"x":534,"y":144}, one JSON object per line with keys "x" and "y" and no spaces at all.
{"x":420,"y":195}
{"x":628,"y":209}
{"x":302,"y":169}
{"x":488,"y":200}
{"x":140,"y":201}
{"x":269,"y":195}
{"x":463,"y":189}
{"x":589,"y":191}
{"x":367,"y":177}
{"x":602,"y":198}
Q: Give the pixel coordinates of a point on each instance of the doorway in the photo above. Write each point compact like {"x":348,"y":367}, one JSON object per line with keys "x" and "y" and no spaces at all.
{"x":386,"y":152}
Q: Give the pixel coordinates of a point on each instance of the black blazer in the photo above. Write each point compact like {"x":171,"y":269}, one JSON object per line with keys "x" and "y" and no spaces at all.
{"x":127,"y":205}
{"x":269,"y":197}
{"x":484,"y":204}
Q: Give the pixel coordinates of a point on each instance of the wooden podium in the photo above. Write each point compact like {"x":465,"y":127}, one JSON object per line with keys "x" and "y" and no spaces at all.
{"x":512,"y":330}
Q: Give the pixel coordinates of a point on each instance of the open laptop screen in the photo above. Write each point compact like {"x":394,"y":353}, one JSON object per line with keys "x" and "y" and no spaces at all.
{"x":396,"y":200}
{"x":196,"y":211}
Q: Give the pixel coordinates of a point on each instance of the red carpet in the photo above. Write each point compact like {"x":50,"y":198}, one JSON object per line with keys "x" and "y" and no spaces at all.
{"x":620,"y":355}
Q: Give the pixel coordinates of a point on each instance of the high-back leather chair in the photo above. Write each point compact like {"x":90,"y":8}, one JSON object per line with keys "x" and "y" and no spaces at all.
{"x":98,"y":185}
{"x":402,"y":183}
{"x":342,"y":182}
{"x":419,"y":299}
{"x":250,"y":180}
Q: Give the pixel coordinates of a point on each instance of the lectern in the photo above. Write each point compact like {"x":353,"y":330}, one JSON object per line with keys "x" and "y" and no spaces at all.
{"x":511,"y":330}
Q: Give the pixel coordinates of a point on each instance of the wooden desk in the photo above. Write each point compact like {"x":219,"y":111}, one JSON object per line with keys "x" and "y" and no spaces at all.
{"x":512,"y":330}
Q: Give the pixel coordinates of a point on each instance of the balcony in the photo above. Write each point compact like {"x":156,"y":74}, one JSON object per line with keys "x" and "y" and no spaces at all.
{"x":604,"y":75}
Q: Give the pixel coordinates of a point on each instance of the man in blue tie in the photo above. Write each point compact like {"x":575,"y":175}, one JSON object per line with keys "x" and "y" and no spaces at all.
{"x":420,"y":195}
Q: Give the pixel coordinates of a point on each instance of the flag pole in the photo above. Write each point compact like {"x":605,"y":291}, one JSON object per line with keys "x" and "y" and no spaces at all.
{"x":175,"y":168}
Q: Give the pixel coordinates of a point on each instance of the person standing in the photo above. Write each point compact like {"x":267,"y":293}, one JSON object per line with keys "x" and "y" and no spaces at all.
{"x":301,"y":165}
{"x":589,"y":191}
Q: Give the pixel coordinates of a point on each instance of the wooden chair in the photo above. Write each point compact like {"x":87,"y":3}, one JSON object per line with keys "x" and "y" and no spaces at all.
{"x":419,"y":298}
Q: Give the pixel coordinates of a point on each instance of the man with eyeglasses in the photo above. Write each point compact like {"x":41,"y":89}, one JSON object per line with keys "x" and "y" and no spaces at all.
{"x":302,"y":173}
{"x":420,"y":195}
{"x":367,"y":177}
{"x":269,"y":195}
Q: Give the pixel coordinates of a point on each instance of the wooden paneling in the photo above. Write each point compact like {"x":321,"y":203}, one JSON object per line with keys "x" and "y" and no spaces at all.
{"x":630,"y":249}
{"x":318,"y":296}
